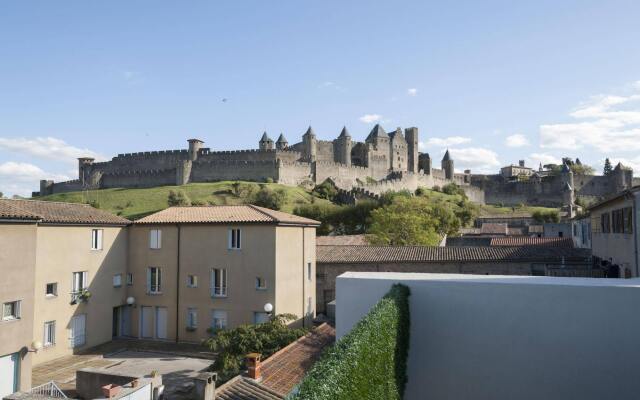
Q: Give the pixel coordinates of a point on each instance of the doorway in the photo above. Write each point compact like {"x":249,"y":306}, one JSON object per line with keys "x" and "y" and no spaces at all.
{"x":161,"y":322}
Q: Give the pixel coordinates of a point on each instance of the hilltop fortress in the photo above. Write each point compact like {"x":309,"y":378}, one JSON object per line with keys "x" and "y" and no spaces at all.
{"x":384,"y":161}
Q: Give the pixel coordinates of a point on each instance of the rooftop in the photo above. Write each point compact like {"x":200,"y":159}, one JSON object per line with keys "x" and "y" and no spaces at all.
{"x":532,"y":241}
{"x":425,"y":254}
{"x":342,"y":240}
{"x":614,"y":197}
{"x":243,"y":388}
{"x":224,"y":214}
{"x":57,"y":213}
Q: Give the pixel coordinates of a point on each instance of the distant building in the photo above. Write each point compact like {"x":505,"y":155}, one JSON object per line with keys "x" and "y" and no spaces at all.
{"x":581,"y":234}
{"x":511,"y":171}
{"x":614,"y":232}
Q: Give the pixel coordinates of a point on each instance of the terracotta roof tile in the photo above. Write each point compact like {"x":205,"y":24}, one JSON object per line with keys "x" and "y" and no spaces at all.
{"x":241,"y":388}
{"x":425,"y":254}
{"x":532,"y":241}
{"x":56,"y":212}
{"x":224,"y":214}
{"x":342,"y":240}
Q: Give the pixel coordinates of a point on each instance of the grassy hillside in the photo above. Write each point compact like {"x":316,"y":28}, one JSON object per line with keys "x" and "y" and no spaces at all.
{"x":136,"y":203}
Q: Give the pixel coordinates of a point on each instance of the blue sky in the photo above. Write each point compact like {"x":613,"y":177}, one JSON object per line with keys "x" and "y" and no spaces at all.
{"x":493,"y":80}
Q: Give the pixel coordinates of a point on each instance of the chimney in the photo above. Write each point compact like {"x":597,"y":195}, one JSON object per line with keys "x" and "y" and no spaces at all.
{"x":254,"y":366}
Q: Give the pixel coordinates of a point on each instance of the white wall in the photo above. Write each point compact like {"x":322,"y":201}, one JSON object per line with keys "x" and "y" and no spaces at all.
{"x":478,"y":337}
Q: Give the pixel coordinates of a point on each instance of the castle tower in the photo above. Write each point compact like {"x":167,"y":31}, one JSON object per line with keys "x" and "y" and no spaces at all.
{"x":424,"y":163}
{"x":194,"y":146}
{"x":84,"y":169}
{"x":343,"y":147}
{"x":282,"y":143}
{"x":411,"y":136}
{"x":568,"y":198}
{"x":623,"y":177}
{"x":447,"y":166}
{"x":398,"y":151}
{"x":310,"y":145}
{"x":266,"y":143}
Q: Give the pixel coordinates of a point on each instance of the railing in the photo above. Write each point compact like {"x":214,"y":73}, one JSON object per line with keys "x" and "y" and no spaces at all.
{"x":49,"y":389}
{"x":219,"y":291}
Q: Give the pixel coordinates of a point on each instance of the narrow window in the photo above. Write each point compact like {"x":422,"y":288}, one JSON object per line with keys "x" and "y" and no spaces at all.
{"x":117,"y":280}
{"x":11,"y":310}
{"x":96,"y":239}
{"x":129,"y":279}
{"x":49,"y":338}
{"x":192,"y":281}
{"x":78,"y":284}
{"x":218,"y":319}
{"x":154,"y":280}
{"x":192,"y":318}
{"x":219,"y":282}
{"x":235,"y":236}
{"x":155,"y":238}
{"x":309,"y":271}
{"x":261,"y":283}
{"x":52,"y":289}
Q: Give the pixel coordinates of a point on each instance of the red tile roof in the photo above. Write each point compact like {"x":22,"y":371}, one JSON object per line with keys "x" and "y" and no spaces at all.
{"x":242,"y":388}
{"x":224,"y":214}
{"x":56,"y":212}
{"x":342,"y":240}
{"x":532,"y":241}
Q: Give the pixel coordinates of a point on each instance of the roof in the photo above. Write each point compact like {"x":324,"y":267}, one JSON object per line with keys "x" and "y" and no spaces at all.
{"x":532,"y":241}
{"x":494,"y":228}
{"x":242,"y":388}
{"x":281,"y":139}
{"x":342,"y":240}
{"x":265,"y":137}
{"x":285,"y":369}
{"x":614,"y":197}
{"x":224,"y":214}
{"x":427,"y":254}
{"x":447,"y":156}
{"x":57,"y":212}
{"x":345,"y":132}
{"x":397,"y":134}
{"x":377,"y":131}
{"x":309,"y":132}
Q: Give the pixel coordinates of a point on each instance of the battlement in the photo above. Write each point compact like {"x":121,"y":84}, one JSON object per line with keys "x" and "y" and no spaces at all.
{"x":333,"y":164}
{"x":149,"y":172}
{"x":147,"y":154}
{"x":207,"y":151}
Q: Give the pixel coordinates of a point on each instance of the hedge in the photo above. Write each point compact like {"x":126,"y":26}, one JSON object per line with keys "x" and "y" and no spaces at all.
{"x":370,"y":362}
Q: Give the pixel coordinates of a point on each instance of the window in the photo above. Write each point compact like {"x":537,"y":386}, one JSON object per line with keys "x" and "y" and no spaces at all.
{"x":628,"y":219}
{"x":129,"y":279}
{"x":261,"y":283}
{"x":155,"y":238}
{"x":154,"y":280}
{"x":219,"y":282}
{"x":605,"y":222}
{"x":77,"y":331}
{"x":49,"y":338}
{"x":234,"y":238}
{"x":309,"y":306}
{"x":192,"y":318}
{"x":218,"y":319}
{"x":117,"y":280}
{"x":617,"y":221}
{"x":11,"y":310}
{"x":78,"y":285}
{"x":52,"y":290}
{"x":260,"y":317}
{"x":308,"y":271}
{"x":96,"y":239}
{"x":192,"y":281}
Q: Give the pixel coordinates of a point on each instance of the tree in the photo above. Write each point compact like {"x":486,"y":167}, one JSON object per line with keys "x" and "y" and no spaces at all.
{"x":541,"y":216}
{"x":608,"y":169}
{"x":231,"y":346}
{"x":273,"y":199}
{"x":178,"y":198}
{"x":405,"y":222}
{"x":1,"y":195}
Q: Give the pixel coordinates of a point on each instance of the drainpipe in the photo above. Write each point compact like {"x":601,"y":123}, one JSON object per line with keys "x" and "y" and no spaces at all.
{"x":304,"y":266}
{"x":178,"y":287}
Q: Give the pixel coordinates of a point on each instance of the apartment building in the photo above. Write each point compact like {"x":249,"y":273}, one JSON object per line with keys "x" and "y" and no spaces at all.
{"x":59,"y":264}
{"x":195,"y":268}
{"x":614,"y":232}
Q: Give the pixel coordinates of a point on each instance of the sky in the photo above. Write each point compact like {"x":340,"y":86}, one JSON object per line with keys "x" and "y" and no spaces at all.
{"x":493,"y":81}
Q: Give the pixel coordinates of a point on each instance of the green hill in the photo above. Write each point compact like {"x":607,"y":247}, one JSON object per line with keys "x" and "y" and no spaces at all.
{"x":137,"y":203}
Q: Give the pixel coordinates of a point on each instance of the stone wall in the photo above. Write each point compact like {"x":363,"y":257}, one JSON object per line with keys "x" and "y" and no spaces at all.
{"x":213,"y":171}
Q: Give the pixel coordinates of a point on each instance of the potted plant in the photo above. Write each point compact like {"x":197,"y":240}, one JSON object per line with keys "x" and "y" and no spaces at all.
{"x":110,"y":390}
{"x":84,"y":295}
{"x":135,"y":383}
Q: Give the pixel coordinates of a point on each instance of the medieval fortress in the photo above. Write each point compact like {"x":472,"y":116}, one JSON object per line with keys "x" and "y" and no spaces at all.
{"x":383,"y":162}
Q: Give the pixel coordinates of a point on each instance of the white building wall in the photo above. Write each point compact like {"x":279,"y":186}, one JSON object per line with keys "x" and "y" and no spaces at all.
{"x":477,"y":337}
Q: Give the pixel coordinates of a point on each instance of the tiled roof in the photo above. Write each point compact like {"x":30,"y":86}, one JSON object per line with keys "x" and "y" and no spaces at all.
{"x":285,"y":369}
{"x":532,"y":241}
{"x":241,"y":388}
{"x":224,"y":214}
{"x":56,"y":212}
{"x":497,"y":228}
{"x":341,"y":240}
{"x":424,"y":254}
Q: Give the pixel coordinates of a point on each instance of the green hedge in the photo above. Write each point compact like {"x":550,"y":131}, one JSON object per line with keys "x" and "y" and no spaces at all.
{"x":368,"y":363}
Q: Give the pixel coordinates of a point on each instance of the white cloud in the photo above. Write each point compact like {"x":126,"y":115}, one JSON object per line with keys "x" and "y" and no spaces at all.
{"x":412,"y":92}
{"x":370,"y":118}
{"x":517,"y":140}
{"x":446,"y":141}
{"x":606,"y":123}
{"x":47,"y":148}
{"x":636,"y":85}
{"x":535,"y":159}
{"x":477,"y":159}
{"x":23,"y":178}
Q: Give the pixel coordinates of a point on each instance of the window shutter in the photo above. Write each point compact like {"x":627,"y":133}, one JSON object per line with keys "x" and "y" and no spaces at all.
{"x":18,"y":303}
{"x":100,"y":232}
{"x":151,"y":239}
{"x":148,"y":280}
{"x":238,"y":240}
{"x":195,"y":318}
{"x":159,"y":245}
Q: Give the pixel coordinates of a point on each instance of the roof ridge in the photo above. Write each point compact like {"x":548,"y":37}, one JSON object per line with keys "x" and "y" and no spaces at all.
{"x":51,"y":201}
{"x":259,"y":209}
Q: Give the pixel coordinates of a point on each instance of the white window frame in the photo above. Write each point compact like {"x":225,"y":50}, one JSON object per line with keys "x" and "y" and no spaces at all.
{"x":117,"y":280}
{"x":192,"y":318}
{"x":129,"y":279}
{"x":219,"y":281}
{"x":261,"y":283}
{"x":155,"y":239}
{"x":192,"y":281}
{"x":219,"y":319}
{"x":79,"y":282}
{"x":14,"y":313}
{"x":96,"y":239}
{"x":49,"y":334}
{"x":235,"y":239}
{"x":156,"y":286}
{"x":55,"y":289}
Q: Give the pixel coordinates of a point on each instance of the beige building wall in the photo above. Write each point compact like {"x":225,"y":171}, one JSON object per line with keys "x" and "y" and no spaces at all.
{"x":61,"y":251}
{"x":17,"y":271}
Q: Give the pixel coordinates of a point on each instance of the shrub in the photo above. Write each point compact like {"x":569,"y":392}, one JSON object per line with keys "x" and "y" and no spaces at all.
{"x":178,"y":198}
{"x":198,"y":203}
{"x":436,"y":188}
{"x":453,"y":189}
{"x":326,"y":190}
{"x":269,"y":180}
{"x":420,"y":191}
{"x":546,"y":216}
{"x":94,"y":203}
{"x":273,"y":199}
{"x":370,"y":362}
